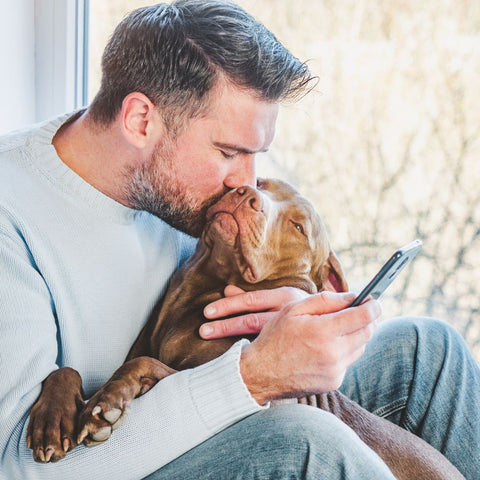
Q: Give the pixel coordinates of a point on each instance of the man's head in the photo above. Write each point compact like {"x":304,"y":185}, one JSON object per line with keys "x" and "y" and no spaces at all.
{"x":194,"y":87}
{"x":175,"y":55}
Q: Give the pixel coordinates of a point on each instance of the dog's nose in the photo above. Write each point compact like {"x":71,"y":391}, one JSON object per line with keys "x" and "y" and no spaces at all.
{"x":252,"y":197}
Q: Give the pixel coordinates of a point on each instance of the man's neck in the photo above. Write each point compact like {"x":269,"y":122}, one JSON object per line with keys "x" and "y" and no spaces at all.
{"x":97,"y":154}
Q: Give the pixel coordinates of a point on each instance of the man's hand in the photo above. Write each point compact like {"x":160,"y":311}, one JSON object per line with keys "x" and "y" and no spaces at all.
{"x":306,"y":347}
{"x":258,"y":308}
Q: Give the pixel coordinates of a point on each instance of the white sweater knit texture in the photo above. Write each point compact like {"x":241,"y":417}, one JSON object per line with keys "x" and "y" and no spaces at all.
{"x":79,"y":276}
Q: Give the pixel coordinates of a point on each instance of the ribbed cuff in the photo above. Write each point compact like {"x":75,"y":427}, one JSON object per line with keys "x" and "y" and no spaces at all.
{"x":219,"y":393}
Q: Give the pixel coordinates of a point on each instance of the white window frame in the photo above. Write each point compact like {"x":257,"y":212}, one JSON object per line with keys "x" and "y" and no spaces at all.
{"x":61,"y":48}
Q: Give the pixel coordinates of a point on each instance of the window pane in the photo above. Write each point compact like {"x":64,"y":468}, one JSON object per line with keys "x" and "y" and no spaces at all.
{"x":387,"y":146}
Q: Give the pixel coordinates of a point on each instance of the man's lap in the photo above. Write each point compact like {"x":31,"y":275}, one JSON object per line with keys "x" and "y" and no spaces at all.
{"x":396,"y":378}
{"x":283,"y":442}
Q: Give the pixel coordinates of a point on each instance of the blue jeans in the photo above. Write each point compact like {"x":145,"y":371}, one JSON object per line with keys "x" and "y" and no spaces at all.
{"x":417,"y":373}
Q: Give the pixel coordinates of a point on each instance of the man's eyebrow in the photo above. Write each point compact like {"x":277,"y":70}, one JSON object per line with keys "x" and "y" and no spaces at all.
{"x":238,"y":149}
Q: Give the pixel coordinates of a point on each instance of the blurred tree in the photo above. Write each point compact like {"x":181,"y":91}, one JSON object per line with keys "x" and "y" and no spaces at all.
{"x":388,"y":145}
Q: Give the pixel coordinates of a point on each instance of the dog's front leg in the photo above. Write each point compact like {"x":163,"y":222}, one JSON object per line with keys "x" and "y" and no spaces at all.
{"x":107,"y":409}
{"x":51,"y":431}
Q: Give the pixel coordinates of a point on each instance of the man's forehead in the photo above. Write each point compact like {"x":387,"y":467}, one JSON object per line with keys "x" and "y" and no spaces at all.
{"x":228,"y":98}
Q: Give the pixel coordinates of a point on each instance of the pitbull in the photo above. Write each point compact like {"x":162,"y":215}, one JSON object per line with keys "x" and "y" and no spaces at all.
{"x":259,"y":238}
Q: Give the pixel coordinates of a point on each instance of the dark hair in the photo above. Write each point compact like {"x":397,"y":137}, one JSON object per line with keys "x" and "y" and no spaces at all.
{"x":175,"y":53}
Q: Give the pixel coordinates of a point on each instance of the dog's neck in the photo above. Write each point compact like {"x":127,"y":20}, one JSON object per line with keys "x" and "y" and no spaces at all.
{"x":202,"y":279}
{"x":195,"y":282}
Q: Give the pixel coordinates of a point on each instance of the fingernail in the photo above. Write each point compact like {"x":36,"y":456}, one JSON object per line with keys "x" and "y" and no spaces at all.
{"x":206,"y":330}
{"x":210,"y":310}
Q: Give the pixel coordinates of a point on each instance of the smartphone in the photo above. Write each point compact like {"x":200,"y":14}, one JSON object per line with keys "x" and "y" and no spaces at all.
{"x":389,"y":272}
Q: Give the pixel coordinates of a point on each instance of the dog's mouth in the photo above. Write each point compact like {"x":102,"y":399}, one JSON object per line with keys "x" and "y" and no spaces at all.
{"x":236,"y":243}
{"x":226,"y":227}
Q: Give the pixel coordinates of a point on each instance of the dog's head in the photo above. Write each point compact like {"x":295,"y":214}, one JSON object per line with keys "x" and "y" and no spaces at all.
{"x":268,"y":237}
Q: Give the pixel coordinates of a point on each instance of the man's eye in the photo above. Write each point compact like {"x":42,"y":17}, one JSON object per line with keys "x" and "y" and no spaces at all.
{"x":227,"y":155}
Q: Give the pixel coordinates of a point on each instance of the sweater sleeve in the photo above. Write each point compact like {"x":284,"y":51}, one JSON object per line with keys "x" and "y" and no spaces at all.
{"x":180,"y":412}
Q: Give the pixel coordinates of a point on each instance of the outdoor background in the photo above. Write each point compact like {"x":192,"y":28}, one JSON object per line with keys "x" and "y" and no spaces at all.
{"x":387,"y":147}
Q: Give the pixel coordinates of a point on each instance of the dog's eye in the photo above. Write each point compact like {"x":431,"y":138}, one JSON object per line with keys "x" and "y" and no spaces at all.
{"x":299,"y":227}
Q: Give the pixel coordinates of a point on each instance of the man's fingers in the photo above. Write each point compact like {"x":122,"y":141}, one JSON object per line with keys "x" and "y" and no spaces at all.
{"x":322,"y":303}
{"x":357,"y":340}
{"x":357,"y":318}
{"x":355,"y":344}
{"x":244,"y":325}
{"x":349,"y":347}
{"x":253,"y":309}
{"x":255,"y":301}
{"x":332,"y":308}
{"x":231,"y":290}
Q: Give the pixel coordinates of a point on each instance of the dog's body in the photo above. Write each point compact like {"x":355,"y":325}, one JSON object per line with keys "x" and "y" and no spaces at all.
{"x":254,"y":239}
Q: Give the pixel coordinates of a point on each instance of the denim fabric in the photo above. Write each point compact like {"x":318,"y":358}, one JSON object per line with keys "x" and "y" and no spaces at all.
{"x":283,"y":442}
{"x":415,"y":372}
{"x":419,"y":374}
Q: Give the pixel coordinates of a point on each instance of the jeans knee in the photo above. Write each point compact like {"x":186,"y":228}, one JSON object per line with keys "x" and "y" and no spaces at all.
{"x":283,"y":443}
{"x":433,"y":339}
{"x":315,"y":444}
{"x":298,"y":427}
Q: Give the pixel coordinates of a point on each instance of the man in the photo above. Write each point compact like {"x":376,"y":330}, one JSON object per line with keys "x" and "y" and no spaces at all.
{"x":91,"y":205}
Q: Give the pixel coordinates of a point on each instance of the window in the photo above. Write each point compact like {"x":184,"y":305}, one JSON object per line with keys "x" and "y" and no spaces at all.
{"x":43,"y":51}
{"x":60,"y":56}
{"x":387,"y":147}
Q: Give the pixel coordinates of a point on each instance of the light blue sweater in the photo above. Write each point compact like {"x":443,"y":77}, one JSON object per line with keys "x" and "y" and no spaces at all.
{"x":79,"y":275}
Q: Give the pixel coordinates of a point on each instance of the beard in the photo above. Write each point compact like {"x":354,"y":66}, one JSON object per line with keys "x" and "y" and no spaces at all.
{"x":155,"y":188}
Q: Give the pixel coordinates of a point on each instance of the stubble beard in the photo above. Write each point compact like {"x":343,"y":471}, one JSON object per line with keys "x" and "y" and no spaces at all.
{"x":155,"y":188}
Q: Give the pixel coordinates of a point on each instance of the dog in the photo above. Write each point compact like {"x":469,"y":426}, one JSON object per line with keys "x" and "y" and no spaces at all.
{"x":255,"y":238}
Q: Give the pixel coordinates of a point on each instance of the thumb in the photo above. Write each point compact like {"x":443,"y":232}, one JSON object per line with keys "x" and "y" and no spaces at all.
{"x":322,"y":303}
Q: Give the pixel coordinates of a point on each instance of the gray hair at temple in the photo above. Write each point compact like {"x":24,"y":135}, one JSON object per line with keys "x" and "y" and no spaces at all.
{"x":175,"y":54}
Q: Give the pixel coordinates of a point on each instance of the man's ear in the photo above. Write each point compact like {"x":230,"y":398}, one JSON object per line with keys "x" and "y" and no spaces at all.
{"x":332,"y":277}
{"x":140,"y":121}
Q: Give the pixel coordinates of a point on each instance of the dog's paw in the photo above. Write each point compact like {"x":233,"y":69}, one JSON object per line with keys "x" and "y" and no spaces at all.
{"x":51,"y":432}
{"x":108,"y":408}
{"x":103,"y":414}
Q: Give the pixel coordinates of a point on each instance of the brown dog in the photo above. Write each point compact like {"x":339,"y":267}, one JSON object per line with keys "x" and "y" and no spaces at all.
{"x":254,"y":239}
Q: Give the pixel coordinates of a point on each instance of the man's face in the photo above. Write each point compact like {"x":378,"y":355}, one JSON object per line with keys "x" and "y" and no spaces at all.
{"x":213,"y":154}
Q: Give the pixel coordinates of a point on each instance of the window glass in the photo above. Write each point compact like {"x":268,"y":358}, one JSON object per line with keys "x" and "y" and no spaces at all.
{"x":387,"y":146}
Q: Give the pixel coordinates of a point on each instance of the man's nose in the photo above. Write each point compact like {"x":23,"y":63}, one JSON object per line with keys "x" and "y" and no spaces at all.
{"x":243,"y":173}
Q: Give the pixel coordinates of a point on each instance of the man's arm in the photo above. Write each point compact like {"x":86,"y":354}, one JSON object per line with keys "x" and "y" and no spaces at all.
{"x":175,"y":416}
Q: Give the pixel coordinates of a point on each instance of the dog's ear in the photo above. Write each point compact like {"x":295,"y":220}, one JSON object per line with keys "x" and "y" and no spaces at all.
{"x":332,"y":277}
